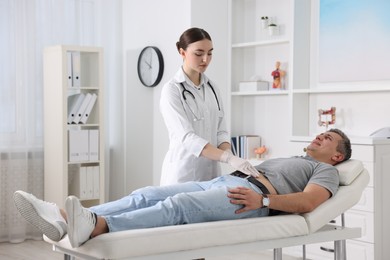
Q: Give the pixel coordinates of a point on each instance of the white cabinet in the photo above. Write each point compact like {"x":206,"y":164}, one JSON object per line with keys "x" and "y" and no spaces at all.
{"x":73,"y":151}
{"x":372,"y":212}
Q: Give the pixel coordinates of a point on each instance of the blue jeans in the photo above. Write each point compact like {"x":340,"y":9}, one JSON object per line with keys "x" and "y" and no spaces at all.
{"x":191,"y":202}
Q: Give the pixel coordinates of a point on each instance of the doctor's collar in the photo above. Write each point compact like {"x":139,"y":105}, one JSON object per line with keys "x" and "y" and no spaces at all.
{"x":191,"y":84}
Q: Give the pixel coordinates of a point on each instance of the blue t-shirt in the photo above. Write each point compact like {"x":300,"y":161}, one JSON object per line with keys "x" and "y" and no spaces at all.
{"x":290,"y":175}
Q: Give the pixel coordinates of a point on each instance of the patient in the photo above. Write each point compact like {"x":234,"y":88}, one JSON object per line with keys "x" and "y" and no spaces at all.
{"x":291,"y":185}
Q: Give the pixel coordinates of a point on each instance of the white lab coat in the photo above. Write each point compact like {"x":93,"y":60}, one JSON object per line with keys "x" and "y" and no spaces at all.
{"x":187,"y":137}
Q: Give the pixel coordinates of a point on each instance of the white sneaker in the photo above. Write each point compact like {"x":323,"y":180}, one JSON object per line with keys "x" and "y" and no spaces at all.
{"x":44,"y":215}
{"x":81,"y":221}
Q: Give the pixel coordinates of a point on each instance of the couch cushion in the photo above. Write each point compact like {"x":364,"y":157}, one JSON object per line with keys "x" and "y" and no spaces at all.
{"x":192,"y":236}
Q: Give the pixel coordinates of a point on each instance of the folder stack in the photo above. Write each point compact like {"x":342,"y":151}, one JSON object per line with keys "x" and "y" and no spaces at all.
{"x":86,"y":182}
{"x":80,"y":107}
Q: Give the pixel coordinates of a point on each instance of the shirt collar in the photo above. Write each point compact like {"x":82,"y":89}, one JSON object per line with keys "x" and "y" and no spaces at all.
{"x":181,"y":77}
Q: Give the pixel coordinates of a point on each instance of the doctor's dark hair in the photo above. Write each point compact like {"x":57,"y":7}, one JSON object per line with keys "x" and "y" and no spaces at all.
{"x":190,"y":36}
{"x":344,"y":146}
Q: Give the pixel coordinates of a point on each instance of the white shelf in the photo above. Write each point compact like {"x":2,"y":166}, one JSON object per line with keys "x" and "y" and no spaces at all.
{"x":259,"y":93}
{"x":260,"y":43}
{"x":341,"y":90}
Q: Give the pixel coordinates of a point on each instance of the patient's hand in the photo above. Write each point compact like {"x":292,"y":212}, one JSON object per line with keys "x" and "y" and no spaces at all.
{"x":248,"y":198}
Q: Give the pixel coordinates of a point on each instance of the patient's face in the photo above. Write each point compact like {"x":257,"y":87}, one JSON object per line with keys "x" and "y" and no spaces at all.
{"x":324,"y":146}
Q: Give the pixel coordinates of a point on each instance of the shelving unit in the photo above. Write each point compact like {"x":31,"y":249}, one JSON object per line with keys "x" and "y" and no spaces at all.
{"x":253,"y":55}
{"x":295,"y":109}
{"x":287,"y":120}
{"x":63,"y":176}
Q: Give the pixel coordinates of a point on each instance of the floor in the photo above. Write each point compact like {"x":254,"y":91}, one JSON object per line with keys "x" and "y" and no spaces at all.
{"x":33,"y":250}
{"x":28,"y":250}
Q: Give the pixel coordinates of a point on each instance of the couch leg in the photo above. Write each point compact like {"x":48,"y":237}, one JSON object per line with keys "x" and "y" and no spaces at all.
{"x":340,"y":251}
{"x":278,"y":254}
{"x":69,"y":257}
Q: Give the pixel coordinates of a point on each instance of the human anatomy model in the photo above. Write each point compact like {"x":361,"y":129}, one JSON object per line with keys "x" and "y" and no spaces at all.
{"x":277,"y":74}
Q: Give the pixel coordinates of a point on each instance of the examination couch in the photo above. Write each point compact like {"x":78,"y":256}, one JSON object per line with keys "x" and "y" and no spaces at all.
{"x":193,"y":241}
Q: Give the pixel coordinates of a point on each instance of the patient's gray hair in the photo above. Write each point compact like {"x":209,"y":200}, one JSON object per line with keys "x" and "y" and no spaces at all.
{"x":344,"y":145}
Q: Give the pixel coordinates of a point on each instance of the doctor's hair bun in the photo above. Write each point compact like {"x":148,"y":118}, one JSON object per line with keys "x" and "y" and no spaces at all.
{"x":191,"y":35}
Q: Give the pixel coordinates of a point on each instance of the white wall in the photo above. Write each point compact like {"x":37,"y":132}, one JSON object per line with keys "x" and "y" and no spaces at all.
{"x":110,"y":37}
{"x":142,"y":26}
{"x":146,"y":138}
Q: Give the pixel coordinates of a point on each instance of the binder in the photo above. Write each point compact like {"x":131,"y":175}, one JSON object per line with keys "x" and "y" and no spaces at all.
{"x":78,"y":145}
{"x":90,"y":182}
{"x":69,"y":68}
{"x":93,"y":145}
{"x":79,"y":183}
{"x":76,"y":68}
{"x":96,"y":182}
{"x":83,"y":183}
{"x":82,"y":108}
{"x":74,"y":103}
{"x":88,"y":109}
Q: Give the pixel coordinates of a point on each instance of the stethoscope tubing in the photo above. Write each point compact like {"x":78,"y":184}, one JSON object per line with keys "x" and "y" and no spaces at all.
{"x":193,"y":96}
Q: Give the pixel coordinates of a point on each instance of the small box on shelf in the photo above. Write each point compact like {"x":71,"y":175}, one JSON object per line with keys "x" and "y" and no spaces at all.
{"x":253,"y":85}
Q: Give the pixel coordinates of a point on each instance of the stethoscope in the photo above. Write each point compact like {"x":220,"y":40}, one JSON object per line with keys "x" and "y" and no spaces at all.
{"x":186,"y":91}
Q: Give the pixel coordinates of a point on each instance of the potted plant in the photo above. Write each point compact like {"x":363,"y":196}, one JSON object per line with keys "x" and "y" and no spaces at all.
{"x":273,"y":29}
{"x":264,"y":22}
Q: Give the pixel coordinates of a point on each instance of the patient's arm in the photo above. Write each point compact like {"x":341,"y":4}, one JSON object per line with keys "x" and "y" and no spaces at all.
{"x":301,"y":202}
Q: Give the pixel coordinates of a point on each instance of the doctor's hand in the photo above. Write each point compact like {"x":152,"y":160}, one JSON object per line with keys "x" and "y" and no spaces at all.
{"x":239,"y":164}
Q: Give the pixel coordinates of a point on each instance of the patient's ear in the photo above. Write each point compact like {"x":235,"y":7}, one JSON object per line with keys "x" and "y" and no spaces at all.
{"x":338,"y":157}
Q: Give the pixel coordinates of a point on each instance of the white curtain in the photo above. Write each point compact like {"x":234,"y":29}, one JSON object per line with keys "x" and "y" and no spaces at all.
{"x":26,"y":27}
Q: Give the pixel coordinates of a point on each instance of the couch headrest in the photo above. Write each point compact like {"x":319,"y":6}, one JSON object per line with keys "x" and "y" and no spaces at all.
{"x":349,"y":170}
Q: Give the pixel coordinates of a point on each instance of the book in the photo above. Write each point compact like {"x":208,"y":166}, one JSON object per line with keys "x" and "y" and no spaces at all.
{"x":233,"y":144}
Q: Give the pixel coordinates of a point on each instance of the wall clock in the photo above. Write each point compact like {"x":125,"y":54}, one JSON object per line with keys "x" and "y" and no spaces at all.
{"x":150,"y":66}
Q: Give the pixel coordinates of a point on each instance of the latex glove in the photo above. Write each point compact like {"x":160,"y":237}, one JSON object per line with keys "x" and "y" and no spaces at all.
{"x":239,"y":164}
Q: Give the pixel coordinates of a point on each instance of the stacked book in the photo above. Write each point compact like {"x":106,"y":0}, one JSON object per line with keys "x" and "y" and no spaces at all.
{"x":244,"y":146}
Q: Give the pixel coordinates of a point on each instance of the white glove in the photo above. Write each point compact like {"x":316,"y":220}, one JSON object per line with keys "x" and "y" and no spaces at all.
{"x":239,"y":164}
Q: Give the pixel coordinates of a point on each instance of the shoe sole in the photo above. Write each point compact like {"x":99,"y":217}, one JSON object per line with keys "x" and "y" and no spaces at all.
{"x":28,"y":212}
{"x":70,"y":213}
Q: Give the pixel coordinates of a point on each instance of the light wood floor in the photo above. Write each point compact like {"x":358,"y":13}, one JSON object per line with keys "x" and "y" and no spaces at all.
{"x":33,"y":250}
{"x":28,"y":250}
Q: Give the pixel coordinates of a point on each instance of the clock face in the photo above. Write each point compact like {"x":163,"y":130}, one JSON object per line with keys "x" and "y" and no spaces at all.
{"x":150,"y":66}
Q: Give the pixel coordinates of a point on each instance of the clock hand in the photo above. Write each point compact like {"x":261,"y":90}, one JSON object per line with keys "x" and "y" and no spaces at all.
{"x":147,"y":63}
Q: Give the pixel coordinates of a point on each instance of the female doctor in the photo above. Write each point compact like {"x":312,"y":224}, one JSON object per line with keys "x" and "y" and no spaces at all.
{"x":194,"y":116}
